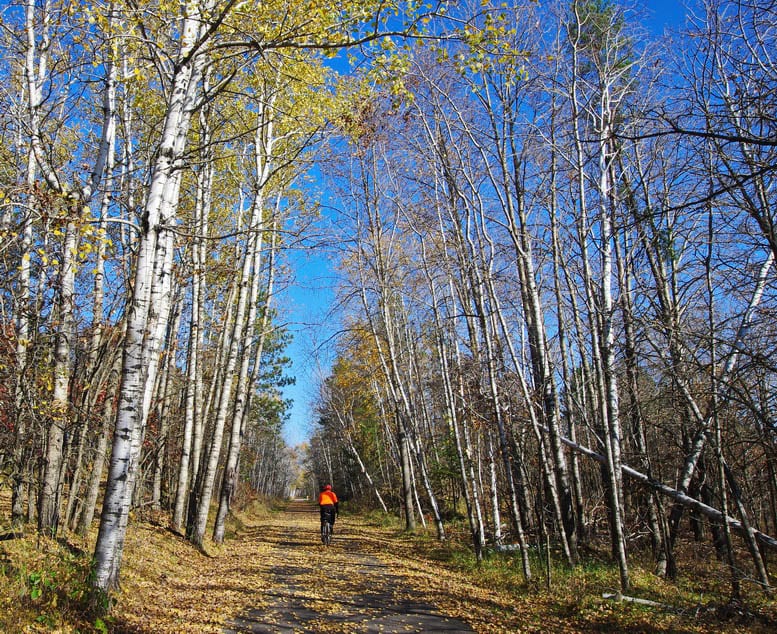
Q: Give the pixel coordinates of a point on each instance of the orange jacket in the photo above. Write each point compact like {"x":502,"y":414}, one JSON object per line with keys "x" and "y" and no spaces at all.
{"x":327,"y":497}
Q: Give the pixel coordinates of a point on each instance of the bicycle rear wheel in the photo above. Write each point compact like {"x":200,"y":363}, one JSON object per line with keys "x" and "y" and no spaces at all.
{"x":326,"y":533}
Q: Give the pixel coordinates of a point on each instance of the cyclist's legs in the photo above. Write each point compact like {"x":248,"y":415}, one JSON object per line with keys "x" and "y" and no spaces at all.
{"x":327,"y":515}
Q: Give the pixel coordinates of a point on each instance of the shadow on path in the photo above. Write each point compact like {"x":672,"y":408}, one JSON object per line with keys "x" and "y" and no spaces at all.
{"x":341,"y":588}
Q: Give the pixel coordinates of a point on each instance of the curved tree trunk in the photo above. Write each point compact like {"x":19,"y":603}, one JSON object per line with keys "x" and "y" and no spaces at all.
{"x":135,"y":375}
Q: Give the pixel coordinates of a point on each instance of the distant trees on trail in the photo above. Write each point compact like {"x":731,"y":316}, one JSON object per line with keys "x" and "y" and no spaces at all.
{"x":556,"y":239}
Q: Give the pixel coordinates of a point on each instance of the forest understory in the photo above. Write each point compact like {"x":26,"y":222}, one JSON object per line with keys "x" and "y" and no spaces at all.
{"x":272,"y":562}
{"x":518,"y":258}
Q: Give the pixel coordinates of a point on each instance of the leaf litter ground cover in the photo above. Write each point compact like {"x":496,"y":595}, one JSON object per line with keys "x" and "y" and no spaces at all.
{"x":345,"y":587}
{"x":274,"y":575}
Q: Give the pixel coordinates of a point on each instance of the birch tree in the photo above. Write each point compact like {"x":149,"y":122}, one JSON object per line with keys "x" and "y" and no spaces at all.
{"x":189,"y":48}
{"x":75,"y":199}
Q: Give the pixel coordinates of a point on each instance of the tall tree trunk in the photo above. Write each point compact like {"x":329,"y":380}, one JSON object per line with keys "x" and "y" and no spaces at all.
{"x":135,"y":375}
{"x":193,"y":411}
{"x":407,"y":476}
{"x":22,"y":471}
{"x":107,"y":416}
{"x":59,"y":422}
{"x":246,"y":334}
{"x":234,"y":341}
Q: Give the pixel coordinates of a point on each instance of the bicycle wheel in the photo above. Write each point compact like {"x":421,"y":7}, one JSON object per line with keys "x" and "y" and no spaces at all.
{"x":326,"y":533}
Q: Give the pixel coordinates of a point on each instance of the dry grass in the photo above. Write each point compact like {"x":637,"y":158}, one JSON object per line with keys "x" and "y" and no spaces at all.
{"x":696,"y":602}
{"x":167,"y":585}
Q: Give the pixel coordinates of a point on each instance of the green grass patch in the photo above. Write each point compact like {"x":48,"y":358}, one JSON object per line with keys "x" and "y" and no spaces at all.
{"x":44,"y":585}
{"x":697,"y":601}
{"x":379,"y":519}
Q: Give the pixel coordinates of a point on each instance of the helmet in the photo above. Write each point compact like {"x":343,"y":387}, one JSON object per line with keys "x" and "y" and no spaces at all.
{"x":327,"y":487}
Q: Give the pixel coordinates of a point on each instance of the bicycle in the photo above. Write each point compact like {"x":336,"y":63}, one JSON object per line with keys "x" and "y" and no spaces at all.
{"x":326,"y":533}
{"x":327,"y":526}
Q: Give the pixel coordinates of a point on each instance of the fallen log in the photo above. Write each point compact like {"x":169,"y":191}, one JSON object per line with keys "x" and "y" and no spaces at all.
{"x":653,"y":604}
{"x":677,"y":496}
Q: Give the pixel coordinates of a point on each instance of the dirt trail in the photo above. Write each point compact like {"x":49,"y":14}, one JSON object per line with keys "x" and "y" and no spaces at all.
{"x":346,"y":587}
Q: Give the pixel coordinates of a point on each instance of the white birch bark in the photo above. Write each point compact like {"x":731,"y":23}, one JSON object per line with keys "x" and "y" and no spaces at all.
{"x":235,"y":340}
{"x":75,"y":199}
{"x":48,"y":513}
{"x":135,"y":375}
{"x":244,"y":333}
{"x":610,"y":398}
{"x":679,"y":497}
{"x":48,"y":505}
{"x":193,"y":411}
{"x":21,"y":468}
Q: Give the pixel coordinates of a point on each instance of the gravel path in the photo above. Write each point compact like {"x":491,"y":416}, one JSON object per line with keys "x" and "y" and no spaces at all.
{"x":340,"y":588}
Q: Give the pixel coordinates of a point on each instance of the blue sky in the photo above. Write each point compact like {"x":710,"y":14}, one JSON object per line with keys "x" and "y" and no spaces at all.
{"x":664,"y":13}
{"x":307,"y":302}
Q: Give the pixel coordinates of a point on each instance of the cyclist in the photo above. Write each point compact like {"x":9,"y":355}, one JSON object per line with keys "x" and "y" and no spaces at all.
{"x":328,"y":505}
